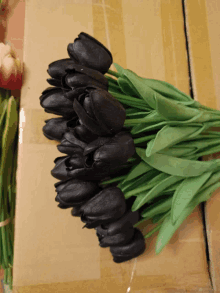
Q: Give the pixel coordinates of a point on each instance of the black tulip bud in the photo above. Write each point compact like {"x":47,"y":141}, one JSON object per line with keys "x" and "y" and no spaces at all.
{"x":105,"y":207}
{"x":76,"y":192}
{"x":90,"y":52}
{"x":71,"y":145}
{"x":84,"y":134}
{"x":64,"y":164}
{"x":75,"y":212}
{"x":119,"y":232}
{"x":55,"y":128}
{"x":57,"y":69}
{"x":75,"y":77}
{"x":111,"y":152}
{"x":100,"y":112}
{"x":132,"y":249}
{"x":53,"y":100}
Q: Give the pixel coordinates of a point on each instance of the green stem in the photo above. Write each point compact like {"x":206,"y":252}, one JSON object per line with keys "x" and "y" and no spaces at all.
{"x":114,"y":73}
{"x":113,"y":180}
{"x":143,"y":139}
{"x":153,"y":231}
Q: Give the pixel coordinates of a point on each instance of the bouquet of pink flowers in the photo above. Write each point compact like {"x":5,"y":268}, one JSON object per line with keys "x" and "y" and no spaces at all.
{"x":10,"y":79}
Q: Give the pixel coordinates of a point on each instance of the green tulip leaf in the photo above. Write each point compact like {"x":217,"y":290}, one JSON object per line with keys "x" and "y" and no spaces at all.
{"x":167,"y":90}
{"x":138,"y":170}
{"x":127,"y":87}
{"x":155,"y":191}
{"x":130,"y":188}
{"x":176,"y":151}
{"x":177,"y":166}
{"x":168,"y":136}
{"x":159,"y":207}
{"x":148,"y":185}
{"x":185,"y":193}
{"x":168,"y":228}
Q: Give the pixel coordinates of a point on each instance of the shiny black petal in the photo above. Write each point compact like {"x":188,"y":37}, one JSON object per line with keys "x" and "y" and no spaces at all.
{"x":59,"y":171}
{"x":55,"y":128}
{"x":77,"y":192}
{"x":130,"y":250}
{"x":58,"y":68}
{"x":84,"y":134}
{"x":114,"y":152}
{"x":53,"y":101}
{"x":90,"y":52}
{"x":87,"y":121}
{"x":105,"y":207}
{"x":108,"y":111}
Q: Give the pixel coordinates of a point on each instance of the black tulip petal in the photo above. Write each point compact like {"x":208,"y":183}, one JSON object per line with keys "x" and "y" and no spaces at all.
{"x":108,"y":111}
{"x":117,"y":151}
{"x":68,"y":148}
{"x":58,"y":68}
{"x":94,"y":145}
{"x":130,"y":250}
{"x":53,"y":101}
{"x":105,"y":207}
{"x":75,"y":212}
{"x":87,"y":121}
{"x":84,"y":134}
{"x":59,"y":171}
{"x":76,"y":80}
{"x":118,"y":239}
{"x":90,"y":52}
{"x":55,"y":128}
{"x":54,"y":82}
{"x":77,"y":192}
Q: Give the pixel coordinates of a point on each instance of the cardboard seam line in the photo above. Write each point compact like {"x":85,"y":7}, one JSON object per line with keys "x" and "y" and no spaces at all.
{"x":192,"y":90}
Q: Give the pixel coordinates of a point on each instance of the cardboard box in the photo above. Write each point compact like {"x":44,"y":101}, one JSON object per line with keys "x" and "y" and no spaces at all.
{"x":52,"y":252}
{"x":204,"y":43}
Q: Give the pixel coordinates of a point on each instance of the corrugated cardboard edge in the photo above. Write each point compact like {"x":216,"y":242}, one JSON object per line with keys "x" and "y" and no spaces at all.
{"x":204,"y":89}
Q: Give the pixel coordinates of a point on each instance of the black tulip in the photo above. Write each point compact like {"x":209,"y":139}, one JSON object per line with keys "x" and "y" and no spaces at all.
{"x":75,"y":212}
{"x":64,"y":164}
{"x":57,"y":69}
{"x":71,"y":145}
{"x":55,"y":128}
{"x":118,"y":232}
{"x":111,"y":152}
{"x":82,"y":133}
{"x":75,"y":77}
{"x":132,"y":249}
{"x":90,"y":52}
{"x":105,"y":207}
{"x":76,"y":192}
{"x":100,"y":112}
{"x":53,"y":100}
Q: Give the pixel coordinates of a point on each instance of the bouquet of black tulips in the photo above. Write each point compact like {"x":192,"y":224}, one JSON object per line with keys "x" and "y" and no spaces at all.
{"x":132,"y":147}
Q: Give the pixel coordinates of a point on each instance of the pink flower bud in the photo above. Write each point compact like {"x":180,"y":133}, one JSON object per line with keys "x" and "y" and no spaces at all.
{"x":10,"y":68}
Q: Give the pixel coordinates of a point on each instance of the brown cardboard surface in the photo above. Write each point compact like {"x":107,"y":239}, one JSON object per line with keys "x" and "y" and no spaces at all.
{"x":203,"y":26}
{"x":52,"y":252}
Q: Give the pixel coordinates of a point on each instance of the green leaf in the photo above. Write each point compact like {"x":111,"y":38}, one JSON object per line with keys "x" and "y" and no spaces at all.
{"x":129,"y":189}
{"x":177,"y":166}
{"x":168,"y":136}
{"x":185,"y":193}
{"x":127,"y":87}
{"x":159,"y":217}
{"x":138,"y":170}
{"x":154,"y":192}
{"x":148,"y":185}
{"x":168,"y":228}
{"x":159,"y":207}
{"x":170,"y":110}
{"x":177,"y":151}
{"x":167,"y":90}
